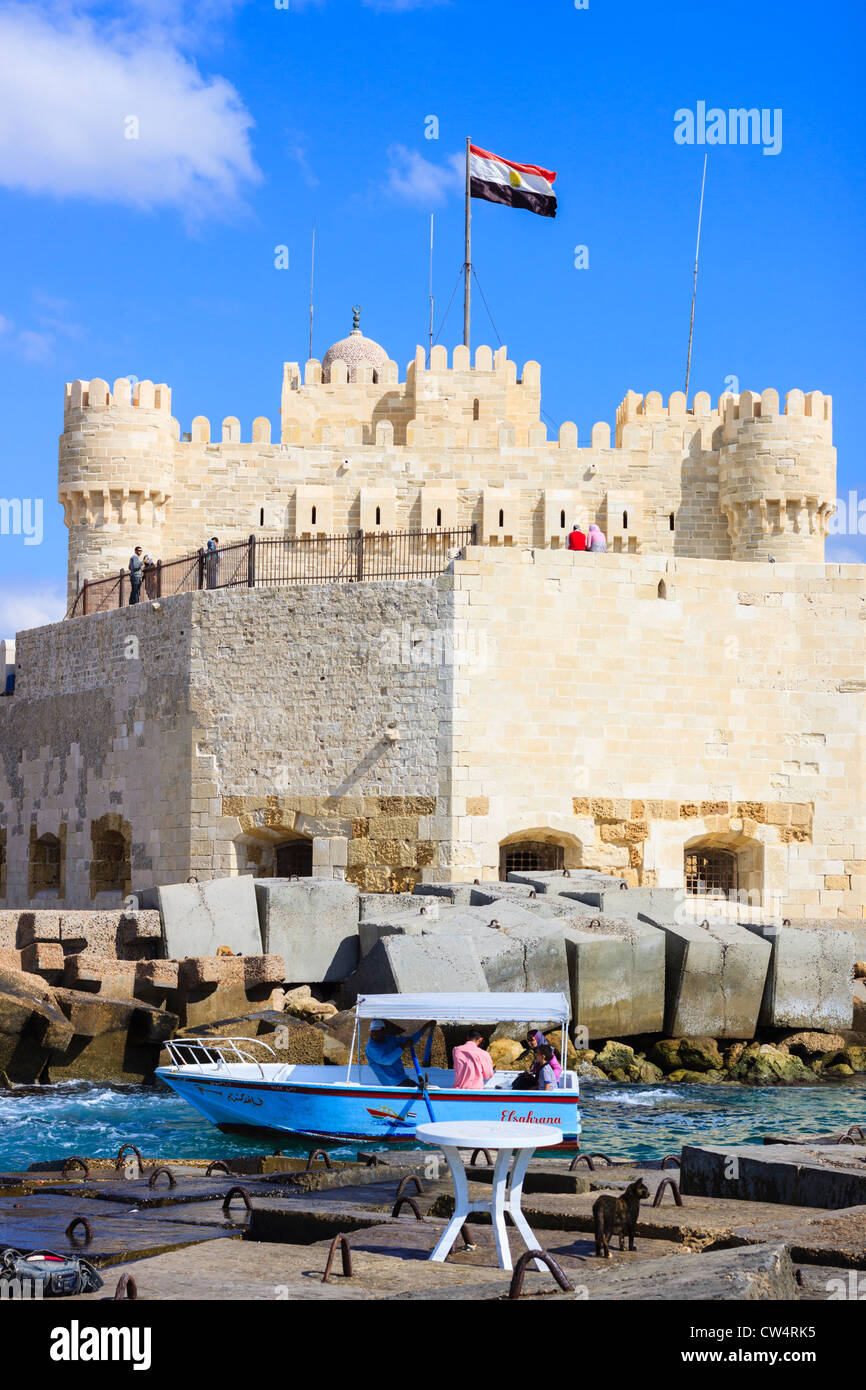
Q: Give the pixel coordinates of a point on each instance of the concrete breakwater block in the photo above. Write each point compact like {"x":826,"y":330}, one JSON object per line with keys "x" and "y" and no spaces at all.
{"x":517,"y":949}
{"x":764,"y":1272}
{"x":617,"y":977}
{"x":198,"y":918}
{"x":418,"y":964}
{"x":312,"y":923}
{"x":795,"y":1175}
{"x":714,"y":980}
{"x":808,"y":982}
{"x":574,"y":881}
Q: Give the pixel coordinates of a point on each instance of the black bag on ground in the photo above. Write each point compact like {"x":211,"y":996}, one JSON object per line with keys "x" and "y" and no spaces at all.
{"x":46,"y":1275}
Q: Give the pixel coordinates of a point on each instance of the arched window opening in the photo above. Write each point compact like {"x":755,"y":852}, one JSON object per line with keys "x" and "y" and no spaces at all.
{"x":501,"y":517}
{"x":378,"y":516}
{"x":261,"y":516}
{"x":529,"y":856}
{"x":562,"y":520}
{"x":294,"y":857}
{"x":663,"y":589}
{"x":313,"y":517}
{"x":711,"y":872}
{"x":671,"y":521}
{"x":438,"y":516}
{"x":625,"y":521}
{"x":110,"y":862}
{"x":45,"y":858}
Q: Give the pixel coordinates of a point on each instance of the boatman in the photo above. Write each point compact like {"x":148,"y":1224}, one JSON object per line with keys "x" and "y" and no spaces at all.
{"x":385,"y":1052}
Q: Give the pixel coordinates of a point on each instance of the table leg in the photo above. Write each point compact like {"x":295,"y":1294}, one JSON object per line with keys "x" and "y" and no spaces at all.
{"x":499,"y":1206}
{"x":461,"y":1205}
{"x":515,"y":1195}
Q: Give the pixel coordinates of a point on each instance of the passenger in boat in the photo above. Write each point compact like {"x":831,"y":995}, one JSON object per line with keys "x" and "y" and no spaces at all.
{"x":385,"y":1052}
{"x":536,"y":1039}
{"x":472,"y":1065}
{"x":545,"y":1075}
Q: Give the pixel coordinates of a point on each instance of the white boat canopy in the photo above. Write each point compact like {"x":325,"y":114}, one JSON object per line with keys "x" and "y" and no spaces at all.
{"x":465,"y":1008}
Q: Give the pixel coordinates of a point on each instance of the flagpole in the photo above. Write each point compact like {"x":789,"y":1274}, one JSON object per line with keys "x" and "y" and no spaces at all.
{"x":467,"y":259}
{"x":312,"y":275}
{"x":430,"y":357}
{"x":695,"y":283}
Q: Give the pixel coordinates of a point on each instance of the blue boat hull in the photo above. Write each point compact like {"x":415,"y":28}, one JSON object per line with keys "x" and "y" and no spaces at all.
{"x":359,"y":1111}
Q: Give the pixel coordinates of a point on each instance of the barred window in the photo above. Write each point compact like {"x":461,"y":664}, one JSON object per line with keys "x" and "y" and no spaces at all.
{"x":529,"y":856}
{"x":711,"y":871}
{"x":294,"y":857}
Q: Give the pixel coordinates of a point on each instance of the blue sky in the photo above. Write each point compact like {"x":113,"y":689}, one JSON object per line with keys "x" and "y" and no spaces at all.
{"x":155,"y":257}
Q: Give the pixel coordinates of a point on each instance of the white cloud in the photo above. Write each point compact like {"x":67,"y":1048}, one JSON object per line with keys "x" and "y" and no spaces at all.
{"x":26,"y":604}
{"x":418,"y":180}
{"x":36,"y":344}
{"x":67,"y":93}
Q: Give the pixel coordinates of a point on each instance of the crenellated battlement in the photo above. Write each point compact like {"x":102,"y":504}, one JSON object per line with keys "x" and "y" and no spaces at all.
{"x":458,"y":441}
{"x":97,"y":395}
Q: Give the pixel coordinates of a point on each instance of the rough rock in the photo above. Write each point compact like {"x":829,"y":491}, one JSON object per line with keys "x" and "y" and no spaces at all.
{"x":114,"y":1039}
{"x":763,"y":1065}
{"x":506,"y":1053}
{"x":615,"y":1056}
{"x":810,"y":1045}
{"x":31,"y":1025}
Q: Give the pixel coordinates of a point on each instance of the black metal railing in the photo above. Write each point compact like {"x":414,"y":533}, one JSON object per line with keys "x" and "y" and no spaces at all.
{"x":257,"y":562}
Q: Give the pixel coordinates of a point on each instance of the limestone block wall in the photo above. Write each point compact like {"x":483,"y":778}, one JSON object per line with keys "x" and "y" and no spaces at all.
{"x":629,"y":707}
{"x":208,"y":729}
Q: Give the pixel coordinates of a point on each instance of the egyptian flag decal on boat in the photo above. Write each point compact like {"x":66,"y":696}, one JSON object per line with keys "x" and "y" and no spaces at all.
{"x":500,"y":180}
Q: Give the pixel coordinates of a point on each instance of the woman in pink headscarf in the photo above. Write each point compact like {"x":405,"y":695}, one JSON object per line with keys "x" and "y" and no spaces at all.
{"x":596,"y":540}
{"x":536,"y":1038}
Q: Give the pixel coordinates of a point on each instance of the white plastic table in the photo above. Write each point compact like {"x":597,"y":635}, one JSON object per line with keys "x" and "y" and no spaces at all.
{"x":507,"y":1188}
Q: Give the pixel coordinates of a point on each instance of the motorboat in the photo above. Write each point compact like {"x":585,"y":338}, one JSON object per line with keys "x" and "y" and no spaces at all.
{"x":240,"y":1085}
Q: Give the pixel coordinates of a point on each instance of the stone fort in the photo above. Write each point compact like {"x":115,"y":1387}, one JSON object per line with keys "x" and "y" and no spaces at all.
{"x":686,"y":710}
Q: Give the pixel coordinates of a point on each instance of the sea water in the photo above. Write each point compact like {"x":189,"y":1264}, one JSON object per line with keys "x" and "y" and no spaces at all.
{"x":624,"y":1121}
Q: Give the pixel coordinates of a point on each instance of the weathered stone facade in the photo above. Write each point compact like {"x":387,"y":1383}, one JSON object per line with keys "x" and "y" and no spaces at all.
{"x":626,"y":707}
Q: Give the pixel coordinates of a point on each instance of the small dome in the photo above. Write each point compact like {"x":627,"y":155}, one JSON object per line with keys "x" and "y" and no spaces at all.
{"x":355,"y":351}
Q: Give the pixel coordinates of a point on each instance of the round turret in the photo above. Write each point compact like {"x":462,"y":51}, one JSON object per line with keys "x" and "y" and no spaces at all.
{"x":355,"y":351}
{"x":777,"y":475}
{"x":116,"y":472}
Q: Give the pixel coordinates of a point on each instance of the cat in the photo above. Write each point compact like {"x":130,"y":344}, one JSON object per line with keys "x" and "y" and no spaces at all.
{"x":617,"y":1216}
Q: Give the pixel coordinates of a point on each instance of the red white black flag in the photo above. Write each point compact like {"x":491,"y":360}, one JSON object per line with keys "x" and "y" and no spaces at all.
{"x":500,"y":180}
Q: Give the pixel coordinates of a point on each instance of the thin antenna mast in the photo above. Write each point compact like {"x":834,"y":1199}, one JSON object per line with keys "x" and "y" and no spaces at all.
{"x":312,"y":275}
{"x":695,"y":283}
{"x":431,"y":291}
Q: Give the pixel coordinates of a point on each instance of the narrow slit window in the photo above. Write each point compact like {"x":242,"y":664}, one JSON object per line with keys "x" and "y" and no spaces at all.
{"x":501,"y":517}
{"x":671,"y":521}
{"x":313,"y":517}
{"x":438,"y":516}
{"x":562,"y":520}
{"x":378,"y":516}
{"x":262,"y":516}
{"x":625,"y":521}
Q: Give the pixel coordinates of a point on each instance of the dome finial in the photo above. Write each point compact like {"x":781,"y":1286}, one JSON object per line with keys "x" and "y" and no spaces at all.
{"x":356,"y":318}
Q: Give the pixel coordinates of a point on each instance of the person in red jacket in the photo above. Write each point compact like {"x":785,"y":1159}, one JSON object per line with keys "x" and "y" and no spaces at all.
{"x":576,"y":538}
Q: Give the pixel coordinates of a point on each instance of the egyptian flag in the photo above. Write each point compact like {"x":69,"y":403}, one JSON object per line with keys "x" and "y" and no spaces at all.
{"x":516,"y":185}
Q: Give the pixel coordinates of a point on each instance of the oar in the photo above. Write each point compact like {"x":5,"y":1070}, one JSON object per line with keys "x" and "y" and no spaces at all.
{"x":422,"y":1084}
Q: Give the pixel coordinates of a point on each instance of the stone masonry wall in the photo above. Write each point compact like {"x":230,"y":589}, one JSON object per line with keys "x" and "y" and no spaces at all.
{"x":627,"y":726}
